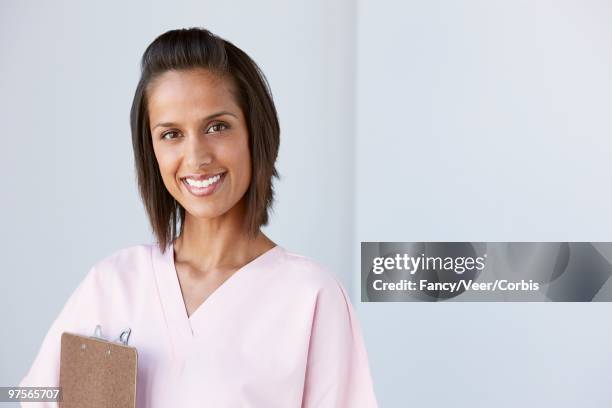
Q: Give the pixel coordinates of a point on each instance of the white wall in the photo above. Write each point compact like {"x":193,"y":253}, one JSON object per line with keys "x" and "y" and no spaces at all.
{"x":485,"y":121}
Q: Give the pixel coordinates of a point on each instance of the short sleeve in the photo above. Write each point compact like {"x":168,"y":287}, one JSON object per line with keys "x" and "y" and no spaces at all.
{"x":44,"y":371}
{"x":337,"y":372}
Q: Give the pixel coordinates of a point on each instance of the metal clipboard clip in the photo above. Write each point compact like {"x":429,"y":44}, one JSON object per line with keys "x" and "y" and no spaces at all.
{"x":123,"y":337}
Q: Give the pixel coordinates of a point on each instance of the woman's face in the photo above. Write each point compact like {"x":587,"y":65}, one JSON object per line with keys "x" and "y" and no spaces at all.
{"x":199,"y":132}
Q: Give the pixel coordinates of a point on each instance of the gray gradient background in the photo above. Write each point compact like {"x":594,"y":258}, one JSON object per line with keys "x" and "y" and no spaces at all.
{"x":401,"y":121}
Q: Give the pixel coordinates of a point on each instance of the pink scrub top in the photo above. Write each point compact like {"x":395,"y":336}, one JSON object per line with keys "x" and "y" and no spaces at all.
{"x":280,"y":332}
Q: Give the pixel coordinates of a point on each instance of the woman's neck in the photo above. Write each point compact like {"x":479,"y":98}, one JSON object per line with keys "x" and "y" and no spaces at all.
{"x":213,"y":244}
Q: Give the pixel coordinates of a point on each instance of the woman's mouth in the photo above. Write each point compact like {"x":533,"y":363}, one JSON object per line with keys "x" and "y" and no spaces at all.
{"x":201,"y":188}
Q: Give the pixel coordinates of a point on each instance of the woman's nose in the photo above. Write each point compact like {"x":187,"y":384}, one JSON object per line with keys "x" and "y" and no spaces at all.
{"x":198,"y":150}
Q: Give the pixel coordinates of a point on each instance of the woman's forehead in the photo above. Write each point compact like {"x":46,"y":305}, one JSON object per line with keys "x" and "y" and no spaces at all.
{"x":198,"y":89}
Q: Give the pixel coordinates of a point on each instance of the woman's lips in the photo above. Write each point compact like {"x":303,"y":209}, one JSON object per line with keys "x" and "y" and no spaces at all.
{"x":204,"y":191}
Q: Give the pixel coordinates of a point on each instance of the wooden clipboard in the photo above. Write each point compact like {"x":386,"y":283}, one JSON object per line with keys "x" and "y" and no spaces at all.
{"x":96,"y":373}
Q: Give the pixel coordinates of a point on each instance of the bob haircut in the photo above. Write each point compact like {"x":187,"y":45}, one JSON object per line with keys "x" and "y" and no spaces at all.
{"x":190,"y":48}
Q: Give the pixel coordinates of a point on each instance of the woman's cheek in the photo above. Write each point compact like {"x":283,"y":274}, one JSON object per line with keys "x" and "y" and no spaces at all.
{"x":167,"y":159}
{"x":167,"y":166}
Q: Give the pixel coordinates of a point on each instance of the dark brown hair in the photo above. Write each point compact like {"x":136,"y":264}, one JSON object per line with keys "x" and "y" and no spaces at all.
{"x":190,"y":48}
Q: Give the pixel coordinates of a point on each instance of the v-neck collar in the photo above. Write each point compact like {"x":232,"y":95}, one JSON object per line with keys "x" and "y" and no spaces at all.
{"x":183,"y":328}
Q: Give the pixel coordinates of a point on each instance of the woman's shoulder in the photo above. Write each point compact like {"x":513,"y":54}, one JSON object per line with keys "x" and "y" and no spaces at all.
{"x":126,"y":264}
{"x":128,"y":254}
{"x":304,"y":269}
{"x":305,"y":275}
{"x":126,"y":257}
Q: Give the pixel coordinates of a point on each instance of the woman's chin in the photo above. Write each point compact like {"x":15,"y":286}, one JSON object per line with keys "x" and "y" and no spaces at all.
{"x":204,"y":212}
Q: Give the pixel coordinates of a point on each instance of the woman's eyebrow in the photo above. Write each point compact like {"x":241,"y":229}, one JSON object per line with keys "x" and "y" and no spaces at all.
{"x":214,"y":115}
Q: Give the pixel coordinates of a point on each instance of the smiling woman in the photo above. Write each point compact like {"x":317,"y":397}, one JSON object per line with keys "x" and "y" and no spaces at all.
{"x":220,"y":314}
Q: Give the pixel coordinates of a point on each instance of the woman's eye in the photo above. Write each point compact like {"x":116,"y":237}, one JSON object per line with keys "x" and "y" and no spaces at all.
{"x":216,"y":127}
{"x":164,"y":136}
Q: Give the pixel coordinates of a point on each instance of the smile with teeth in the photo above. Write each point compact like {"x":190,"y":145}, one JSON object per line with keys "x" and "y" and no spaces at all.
{"x":203,"y":183}
{"x":201,"y":188}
